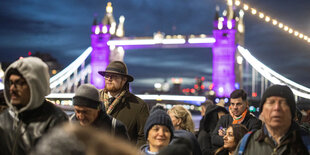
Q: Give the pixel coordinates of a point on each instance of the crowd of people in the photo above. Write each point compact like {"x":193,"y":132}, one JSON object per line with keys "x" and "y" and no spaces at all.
{"x":114,"y":121}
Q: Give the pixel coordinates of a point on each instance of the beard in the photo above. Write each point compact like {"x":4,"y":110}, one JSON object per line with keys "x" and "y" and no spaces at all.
{"x":112,"y":88}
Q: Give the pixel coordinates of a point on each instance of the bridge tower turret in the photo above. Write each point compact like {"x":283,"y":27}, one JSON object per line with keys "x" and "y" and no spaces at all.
{"x":224,"y":48}
{"x":100,"y":56}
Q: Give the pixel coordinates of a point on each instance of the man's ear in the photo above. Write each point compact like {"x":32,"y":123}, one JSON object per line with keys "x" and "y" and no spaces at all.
{"x":125,"y":79}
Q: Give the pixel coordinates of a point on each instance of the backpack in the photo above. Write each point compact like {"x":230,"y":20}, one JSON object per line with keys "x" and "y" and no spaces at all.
{"x":305,"y":138}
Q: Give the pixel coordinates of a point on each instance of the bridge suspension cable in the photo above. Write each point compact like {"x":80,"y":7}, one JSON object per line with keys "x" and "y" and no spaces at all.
{"x":273,"y":21}
{"x":273,"y":76}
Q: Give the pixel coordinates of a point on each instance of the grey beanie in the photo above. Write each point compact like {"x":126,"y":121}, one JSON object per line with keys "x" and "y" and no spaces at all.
{"x":281,"y":91}
{"x":87,"y":95}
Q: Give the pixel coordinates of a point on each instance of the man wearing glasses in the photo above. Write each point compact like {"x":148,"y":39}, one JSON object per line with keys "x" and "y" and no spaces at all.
{"x":121,"y":104}
{"x":239,"y":114}
{"x":29,"y":115}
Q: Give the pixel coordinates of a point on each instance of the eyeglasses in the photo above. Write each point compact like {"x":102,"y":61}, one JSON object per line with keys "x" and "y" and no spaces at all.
{"x":111,"y":76}
{"x":18,"y":83}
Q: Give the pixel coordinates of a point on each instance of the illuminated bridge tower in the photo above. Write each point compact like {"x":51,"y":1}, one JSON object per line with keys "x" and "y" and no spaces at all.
{"x":223,"y":50}
{"x":102,"y":53}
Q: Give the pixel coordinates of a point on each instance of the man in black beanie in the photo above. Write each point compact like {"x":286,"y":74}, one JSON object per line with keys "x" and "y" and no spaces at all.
{"x":88,"y":112}
{"x":279,"y":134}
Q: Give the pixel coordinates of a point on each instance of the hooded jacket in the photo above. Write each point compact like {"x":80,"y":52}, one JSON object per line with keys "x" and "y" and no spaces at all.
{"x":207,"y":125}
{"x":21,"y":128}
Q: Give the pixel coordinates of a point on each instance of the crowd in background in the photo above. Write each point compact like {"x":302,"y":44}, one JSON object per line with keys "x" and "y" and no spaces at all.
{"x":114,"y":121}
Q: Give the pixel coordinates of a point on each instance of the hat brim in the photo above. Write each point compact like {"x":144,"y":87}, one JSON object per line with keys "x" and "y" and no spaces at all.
{"x":129,"y":77}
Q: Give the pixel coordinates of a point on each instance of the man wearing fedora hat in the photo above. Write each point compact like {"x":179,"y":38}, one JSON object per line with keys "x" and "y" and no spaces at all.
{"x":121,"y":104}
{"x":88,"y":112}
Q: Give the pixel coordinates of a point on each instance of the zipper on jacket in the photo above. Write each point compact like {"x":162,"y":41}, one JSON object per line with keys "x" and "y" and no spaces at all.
{"x":16,"y":136}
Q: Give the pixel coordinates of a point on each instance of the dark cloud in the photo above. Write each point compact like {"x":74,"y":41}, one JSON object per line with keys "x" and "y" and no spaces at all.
{"x":62,"y":28}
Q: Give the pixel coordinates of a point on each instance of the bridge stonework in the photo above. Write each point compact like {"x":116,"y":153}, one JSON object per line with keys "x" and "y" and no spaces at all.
{"x":223,"y":70}
{"x":223,"y":49}
{"x":100,"y":54}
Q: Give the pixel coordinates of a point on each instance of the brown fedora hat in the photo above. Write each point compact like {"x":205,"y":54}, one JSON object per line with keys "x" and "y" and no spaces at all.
{"x":117,"y":67}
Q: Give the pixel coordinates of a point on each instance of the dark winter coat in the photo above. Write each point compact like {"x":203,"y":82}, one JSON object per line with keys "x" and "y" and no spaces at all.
{"x":19,"y":134}
{"x":291,"y":144}
{"x":207,"y":125}
{"x":22,"y":127}
{"x":133,"y":112}
{"x":190,"y":137}
{"x":104,"y":122}
{"x":250,"y":122}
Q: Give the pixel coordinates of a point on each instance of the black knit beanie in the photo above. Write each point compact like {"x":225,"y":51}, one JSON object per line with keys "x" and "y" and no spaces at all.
{"x":158,"y":117}
{"x":281,"y":91}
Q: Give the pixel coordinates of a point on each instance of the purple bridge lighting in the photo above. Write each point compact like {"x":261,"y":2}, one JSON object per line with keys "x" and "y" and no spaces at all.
{"x":108,"y":44}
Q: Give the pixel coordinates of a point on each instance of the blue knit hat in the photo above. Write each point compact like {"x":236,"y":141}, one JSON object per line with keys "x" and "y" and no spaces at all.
{"x":158,"y":117}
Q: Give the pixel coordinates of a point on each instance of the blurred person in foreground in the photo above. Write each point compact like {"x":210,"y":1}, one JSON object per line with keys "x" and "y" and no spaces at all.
{"x":234,"y":134}
{"x":158,"y":131}
{"x":279,"y":134}
{"x":73,"y":139}
{"x":184,"y":127}
{"x":88,"y":112}
{"x":239,"y":114}
{"x":121,"y":104}
{"x":29,"y":115}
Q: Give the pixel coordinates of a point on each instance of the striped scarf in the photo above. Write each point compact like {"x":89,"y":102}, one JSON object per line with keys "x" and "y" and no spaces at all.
{"x":109,"y":108}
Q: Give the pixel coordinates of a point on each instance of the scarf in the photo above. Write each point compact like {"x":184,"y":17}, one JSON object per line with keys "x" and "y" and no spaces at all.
{"x":109,"y":108}
{"x":239,"y":120}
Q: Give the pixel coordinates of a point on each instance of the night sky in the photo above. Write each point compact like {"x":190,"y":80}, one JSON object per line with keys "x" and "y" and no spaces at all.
{"x":63,"y":27}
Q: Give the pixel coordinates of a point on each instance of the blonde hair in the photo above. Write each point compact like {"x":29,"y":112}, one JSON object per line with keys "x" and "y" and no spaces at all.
{"x":186,"y":117}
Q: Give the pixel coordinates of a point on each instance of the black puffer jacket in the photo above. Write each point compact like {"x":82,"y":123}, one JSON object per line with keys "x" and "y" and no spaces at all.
{"x":104,"y":122}
{"x":207,"y":125}
{"x":19,"y":134}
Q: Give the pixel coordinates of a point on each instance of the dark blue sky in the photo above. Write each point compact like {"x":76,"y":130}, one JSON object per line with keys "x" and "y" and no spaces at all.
{"x":62,"y":28}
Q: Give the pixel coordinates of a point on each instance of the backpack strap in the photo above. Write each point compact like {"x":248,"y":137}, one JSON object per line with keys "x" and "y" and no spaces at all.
{"x":71,"y":117}
{"x":306,"y":141}
{"x":113,"y":125}
{"x":244,"y":141}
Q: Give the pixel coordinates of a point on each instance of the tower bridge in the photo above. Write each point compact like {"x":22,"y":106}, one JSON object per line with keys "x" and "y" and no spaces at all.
{"x":108,"y":43}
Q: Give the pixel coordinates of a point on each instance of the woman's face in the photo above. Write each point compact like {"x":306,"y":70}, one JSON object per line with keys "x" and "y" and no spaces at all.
{"x":159,"y":136}
{"x":229,"y":139}
{"x":175,"y":121}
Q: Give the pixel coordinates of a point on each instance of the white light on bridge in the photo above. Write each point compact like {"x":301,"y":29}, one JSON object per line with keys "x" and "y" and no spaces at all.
{"x":173,"y":41}
{"x":131,"y":42}
{"x":267,"y":19}
{"x":253,"y":11}
{"x":145,"y":42}
{"x":245,"y":7}
{"x":144,"y":97}
{"x":97,"y":30}
{"x":201,"y":40}
{"x":239,"y":59}
{"x":261,"y":15}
